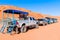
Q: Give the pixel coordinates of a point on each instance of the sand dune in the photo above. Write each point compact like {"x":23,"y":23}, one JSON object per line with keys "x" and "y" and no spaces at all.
{"x":5,"y":7}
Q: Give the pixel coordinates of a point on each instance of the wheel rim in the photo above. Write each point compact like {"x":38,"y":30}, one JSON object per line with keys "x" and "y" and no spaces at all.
{"x":23,"y":29}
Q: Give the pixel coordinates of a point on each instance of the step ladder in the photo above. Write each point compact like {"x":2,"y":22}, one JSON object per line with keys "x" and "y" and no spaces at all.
{"x":3,"y":27}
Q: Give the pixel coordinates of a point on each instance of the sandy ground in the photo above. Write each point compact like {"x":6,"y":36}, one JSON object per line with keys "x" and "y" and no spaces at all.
{"x":49,"y":32}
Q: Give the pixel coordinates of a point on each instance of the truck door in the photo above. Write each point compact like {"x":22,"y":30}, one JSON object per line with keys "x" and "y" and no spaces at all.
{"x":34,"y":21}
{"x":31,"y":20}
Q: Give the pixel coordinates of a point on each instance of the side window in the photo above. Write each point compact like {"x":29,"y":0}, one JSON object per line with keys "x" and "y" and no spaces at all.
{"x":31,"y":18}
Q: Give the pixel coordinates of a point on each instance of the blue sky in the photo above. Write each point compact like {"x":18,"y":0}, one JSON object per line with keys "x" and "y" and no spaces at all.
{"x":51,"y":7}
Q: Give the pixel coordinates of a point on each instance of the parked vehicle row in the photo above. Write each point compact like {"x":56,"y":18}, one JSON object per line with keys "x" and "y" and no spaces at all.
{"x":22,"y":25}
{"x":23,"y":22}
{"x":46,"y":20}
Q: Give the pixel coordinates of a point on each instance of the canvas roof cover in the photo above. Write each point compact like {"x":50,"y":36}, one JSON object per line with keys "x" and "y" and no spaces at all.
{"x":14,"y":11}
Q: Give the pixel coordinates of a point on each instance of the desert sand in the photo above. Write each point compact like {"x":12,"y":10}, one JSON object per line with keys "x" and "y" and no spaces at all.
{"x":48,"y":32}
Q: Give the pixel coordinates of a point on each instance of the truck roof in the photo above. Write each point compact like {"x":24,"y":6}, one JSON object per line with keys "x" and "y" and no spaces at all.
{"x":15,"y":11}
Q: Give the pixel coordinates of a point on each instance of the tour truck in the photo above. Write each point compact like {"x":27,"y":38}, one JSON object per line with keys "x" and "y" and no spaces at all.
{"x":28,"y":22}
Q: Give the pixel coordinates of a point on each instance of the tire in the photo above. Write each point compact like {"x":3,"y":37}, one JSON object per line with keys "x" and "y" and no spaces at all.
{"x":23,"y":29}
{"x":38,"y":23}
{"x":44,"y":24}
{"x":9,"y":29}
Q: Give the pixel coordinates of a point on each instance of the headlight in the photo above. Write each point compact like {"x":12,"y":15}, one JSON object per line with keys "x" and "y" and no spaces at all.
{"x":41,"y":21}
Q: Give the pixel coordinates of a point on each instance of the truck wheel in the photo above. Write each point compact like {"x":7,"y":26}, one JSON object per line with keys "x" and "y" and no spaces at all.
{"x":9,"y":29}
{"x":45,"y":24}
{"x":23,"y":29}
